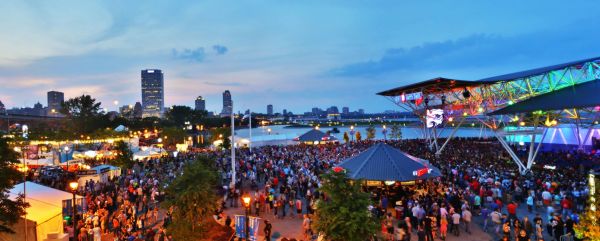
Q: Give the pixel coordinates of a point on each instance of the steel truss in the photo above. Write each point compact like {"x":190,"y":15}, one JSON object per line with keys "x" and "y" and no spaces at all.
{"x":486,"y":97}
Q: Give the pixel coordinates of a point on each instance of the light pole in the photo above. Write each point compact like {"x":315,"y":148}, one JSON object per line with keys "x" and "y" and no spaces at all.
{"x":269,"y":130}
{"x":352,"y":132}
{"x":384,"y":132}
{"x":66,"y":150}
{"x":246,"y":200}
{"x":22,"y":150}
{"x":73,"y":185}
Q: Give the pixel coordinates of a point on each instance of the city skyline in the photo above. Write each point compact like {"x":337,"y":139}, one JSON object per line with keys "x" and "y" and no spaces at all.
{"x":294,"y":56}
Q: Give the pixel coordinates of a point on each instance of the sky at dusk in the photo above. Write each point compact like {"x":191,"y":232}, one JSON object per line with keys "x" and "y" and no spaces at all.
{"x":292,"y":54}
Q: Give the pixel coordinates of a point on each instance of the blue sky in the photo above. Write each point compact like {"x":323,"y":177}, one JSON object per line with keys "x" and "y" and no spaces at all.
{"x":292,"y":54}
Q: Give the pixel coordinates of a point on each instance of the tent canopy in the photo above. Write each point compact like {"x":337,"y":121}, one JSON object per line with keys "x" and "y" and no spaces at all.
{"x":382,"y":162}
{"x":577,"y":96}
{"x":536,"y":71}
{"x":315,"y":135}
{"x":435,"y":85}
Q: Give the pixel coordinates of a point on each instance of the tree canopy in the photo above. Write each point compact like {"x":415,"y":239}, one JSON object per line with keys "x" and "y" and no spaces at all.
{"x":10,"y":210}
{"x":124,"y":157}
{"x":194,"y":198}
{"x":344,"y":215}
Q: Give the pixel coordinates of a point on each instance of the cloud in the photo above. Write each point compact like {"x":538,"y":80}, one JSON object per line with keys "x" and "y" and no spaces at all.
{"x":193,"y":55}
{"x":220,"y":49}
{"x":478,"y":52}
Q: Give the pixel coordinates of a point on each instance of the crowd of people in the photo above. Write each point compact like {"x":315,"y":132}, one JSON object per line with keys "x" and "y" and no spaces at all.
{"x":478,"y":180}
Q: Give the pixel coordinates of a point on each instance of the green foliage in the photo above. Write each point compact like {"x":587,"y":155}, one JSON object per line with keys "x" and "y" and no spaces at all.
{"x":396,"y":132}
{"x":84,"y":113}
{"x":179,"y":114}
{"x":346,"y":137}
{"x":11,"y":210}
{"x":344,"y":215}
{"x":370,"y":132}
{"x":358,"y":136}
{"x":221,"y":134}
{"x":174,"y":135}
{"x":124,"y":157}
{"x":194,"y":198}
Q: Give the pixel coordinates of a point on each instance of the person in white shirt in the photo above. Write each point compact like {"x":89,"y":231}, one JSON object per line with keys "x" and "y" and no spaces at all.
{"x":466,"y":216}
{"x":496,"y":219}
{"x":456,"y":223}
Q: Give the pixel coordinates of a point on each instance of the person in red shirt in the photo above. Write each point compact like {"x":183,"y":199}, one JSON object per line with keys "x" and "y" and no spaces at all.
{"x":512,"y":210}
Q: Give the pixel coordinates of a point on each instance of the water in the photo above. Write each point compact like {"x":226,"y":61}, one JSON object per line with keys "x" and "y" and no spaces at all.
{"x":278,"y":132}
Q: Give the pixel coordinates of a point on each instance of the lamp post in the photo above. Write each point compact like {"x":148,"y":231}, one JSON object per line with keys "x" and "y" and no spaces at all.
{"x":73,"y":185}
{"x":352,"y":132}
{"x":269,"y":130}
{"x":66,"y":151}
{"x":246,"y":200}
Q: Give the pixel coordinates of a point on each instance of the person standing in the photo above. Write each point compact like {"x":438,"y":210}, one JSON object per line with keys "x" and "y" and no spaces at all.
{"x":496,"y":219}
{"x":455,"y":224}
{"x":466,"y":216}
{"x":530,"y":203}
{"x":267,"y":230}
{"x":306,"y":227}
{"x":443,"y":228}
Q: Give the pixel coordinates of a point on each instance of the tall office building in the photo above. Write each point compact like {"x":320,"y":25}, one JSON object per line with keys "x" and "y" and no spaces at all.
{"x":285,"y":113}
{"x":2,"y":108}
{"x":137,"y":110}
{"x":153,"y":96}
{"x":269,"y":109}
{"x":227,"y":104}
{"x":200,"y":103}
{"x":345,"y":110}
{"x":55,"y":100}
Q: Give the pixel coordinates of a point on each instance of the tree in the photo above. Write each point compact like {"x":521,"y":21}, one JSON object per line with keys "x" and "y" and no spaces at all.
{"x":83,"y":111}
{"x":173,"y":135}
{"x":358,"y":136}
{"x":179,"y":114}
{"x":10,"y":210}
{"x":346,"y":137}
{"x":370,"y":132}
{"x":193,"y":196}
{"x":396,"y":132}
{"x":344,"y":216}
{"x":124,"y":157}
{"x":589,"y":221}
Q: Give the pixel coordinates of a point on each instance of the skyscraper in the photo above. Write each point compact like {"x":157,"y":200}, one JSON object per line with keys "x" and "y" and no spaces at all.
{"x":269,"y":109}
{"x":137,"y":110}
{"x":55,"y":100}
{"x":153,"y":96}
{"x":227,"y":104}
{"x":345,"y":110}
{"x":200,"y":104}
{"x":2,"y":108}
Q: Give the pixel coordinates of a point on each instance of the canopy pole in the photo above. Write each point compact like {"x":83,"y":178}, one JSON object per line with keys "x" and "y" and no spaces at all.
{"x":510,"y":152}
{"x":538,"y":148}
{"x":532,"y":142}
{"x":450,"y":136}
{"x":590,"y":130}
{"x":233,"y":174}
{"x":577,"y":133}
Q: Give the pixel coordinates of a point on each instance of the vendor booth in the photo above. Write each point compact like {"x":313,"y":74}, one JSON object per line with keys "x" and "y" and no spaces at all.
{"x":100,"y":173}
{"x":382,"y":163}
{"x":147,"y":152}
{"x":44,"y":215}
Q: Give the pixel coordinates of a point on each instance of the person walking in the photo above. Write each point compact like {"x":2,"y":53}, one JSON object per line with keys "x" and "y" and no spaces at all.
{"x":267,"y":230}
{"x":466,"y":216}
{"x":443,"y":228}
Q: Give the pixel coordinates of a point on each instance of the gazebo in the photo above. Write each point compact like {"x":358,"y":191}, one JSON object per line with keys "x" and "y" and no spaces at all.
{"x":383,"y":163}
{"x":315,"y":137}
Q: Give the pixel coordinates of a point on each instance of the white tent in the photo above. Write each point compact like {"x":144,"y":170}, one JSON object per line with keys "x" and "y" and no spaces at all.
{"x":121,"y":128}
{"x":44,"y":215}
{"x":147,"y":153}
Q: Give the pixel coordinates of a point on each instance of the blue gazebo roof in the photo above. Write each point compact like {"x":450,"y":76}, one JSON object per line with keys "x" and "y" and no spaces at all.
{"x":315,"y":135}
{"x":382,"y":162}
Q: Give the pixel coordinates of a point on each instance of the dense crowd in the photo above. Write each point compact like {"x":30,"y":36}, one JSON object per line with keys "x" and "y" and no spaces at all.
{"x":479,"y":180}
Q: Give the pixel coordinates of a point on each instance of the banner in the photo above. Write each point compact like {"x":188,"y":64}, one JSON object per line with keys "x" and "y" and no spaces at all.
{"x":240,"y":224}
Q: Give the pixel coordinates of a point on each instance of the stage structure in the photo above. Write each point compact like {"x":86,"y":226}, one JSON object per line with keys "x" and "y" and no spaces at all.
{"x":470,"y":101}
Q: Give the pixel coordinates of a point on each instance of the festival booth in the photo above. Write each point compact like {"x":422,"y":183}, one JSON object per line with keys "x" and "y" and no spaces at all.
{"x":44,"y":215}
{"x":146,"y":153}
{"x":100,"y":173}
{"x":382,"y":163}
{"x":316,"y":137}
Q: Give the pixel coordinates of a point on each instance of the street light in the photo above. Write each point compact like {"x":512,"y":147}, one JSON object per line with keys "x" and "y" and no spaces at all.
{"x":246,"y":200}
{"x":66,"y":150}
{"x":74,"y":185}
{"x":269,"y":130}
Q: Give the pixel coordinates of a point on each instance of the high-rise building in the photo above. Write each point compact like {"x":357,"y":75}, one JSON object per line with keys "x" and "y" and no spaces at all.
{"x":269,"y":109}
{"x":153,"y":96}
{"x":227,"y":104}
{"x":137,"y":110}
{"x":126,"y":111}
{"x":285,"y":113}
{"x":2,"y":108}
{"x":361,"y":111}
{"x":200,"y":103}
{"x":345,"y":110}
{"x":55,"y":100}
